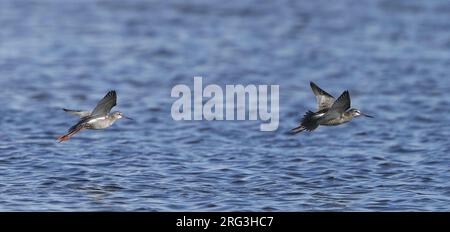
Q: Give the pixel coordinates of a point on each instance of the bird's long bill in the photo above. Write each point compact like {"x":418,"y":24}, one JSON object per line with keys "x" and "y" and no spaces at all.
{"x":369,"y":116}
{"x":127,"y":117}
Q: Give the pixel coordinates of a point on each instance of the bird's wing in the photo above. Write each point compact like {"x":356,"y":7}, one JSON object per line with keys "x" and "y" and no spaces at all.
{"x":78,"y":113}
{"x":79,"y":124}
{"x":342,"y":104}
{"x":324,"y":99}
{"x":105,"y":105}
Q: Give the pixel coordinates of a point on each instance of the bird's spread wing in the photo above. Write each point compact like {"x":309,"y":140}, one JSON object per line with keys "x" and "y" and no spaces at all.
{"x":342,"y":104}
{"x":78,"y":113}
{"x":324,"y":99}
{"x":105,"y":105}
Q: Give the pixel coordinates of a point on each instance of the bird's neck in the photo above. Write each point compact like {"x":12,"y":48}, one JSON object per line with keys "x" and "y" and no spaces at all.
{"x":112,"y":118}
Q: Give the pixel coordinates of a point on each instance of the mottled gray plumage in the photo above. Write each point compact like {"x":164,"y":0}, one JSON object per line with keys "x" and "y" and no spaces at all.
{"x":331,"y":112}
{"x":99,"y":118}
{"x":324,"y":99}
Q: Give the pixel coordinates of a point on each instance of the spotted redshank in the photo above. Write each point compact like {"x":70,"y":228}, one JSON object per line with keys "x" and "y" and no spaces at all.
{"x":99,"y":118}
{"x":331,"y":112}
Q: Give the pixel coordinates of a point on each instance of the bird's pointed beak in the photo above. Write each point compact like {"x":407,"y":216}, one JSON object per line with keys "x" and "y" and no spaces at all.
{"x":369,"y":116}
{"x":125,"y":117}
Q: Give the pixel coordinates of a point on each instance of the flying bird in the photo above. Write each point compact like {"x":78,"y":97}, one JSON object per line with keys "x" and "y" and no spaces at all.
{"x":99,"y":118}
{"x":331,"y":112}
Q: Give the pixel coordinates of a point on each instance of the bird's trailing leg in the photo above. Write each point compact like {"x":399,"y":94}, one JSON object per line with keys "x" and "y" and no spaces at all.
{"x":298,"y":129}
{"x":70,"y":134}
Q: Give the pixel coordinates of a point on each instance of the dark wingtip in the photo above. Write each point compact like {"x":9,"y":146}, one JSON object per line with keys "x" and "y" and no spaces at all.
{"x":345,"y":95}
{"x":315,"y":88}
{"x":111,"y":93}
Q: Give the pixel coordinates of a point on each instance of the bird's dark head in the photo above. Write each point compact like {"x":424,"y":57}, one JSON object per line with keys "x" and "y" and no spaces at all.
{"x":355,"y":113}
{"x":118,"y":115}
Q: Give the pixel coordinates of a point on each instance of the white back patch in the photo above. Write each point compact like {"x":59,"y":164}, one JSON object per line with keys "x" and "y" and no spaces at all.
{"x":96,"y":119}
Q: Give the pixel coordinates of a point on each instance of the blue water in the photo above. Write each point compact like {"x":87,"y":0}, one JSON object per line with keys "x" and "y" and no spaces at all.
{"x":393,"y":57}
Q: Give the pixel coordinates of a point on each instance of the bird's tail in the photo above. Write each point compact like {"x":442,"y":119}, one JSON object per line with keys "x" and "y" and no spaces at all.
{"x":309,"y":123}
{"x":67,"y":136}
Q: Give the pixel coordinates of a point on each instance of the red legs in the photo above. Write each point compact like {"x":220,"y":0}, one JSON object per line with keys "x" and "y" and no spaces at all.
{"x":67,"y":136}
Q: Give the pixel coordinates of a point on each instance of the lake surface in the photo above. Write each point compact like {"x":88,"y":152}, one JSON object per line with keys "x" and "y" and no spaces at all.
{"x":393,"y":57}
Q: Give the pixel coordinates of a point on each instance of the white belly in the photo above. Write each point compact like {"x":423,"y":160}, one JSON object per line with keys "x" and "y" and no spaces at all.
{"x":99,"y":123}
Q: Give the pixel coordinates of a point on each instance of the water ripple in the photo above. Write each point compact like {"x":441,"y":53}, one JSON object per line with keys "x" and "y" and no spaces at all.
{"x":68,"y":55}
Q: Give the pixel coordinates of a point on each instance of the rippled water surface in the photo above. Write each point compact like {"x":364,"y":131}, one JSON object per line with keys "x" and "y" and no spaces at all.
{"x":393,"y":57}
